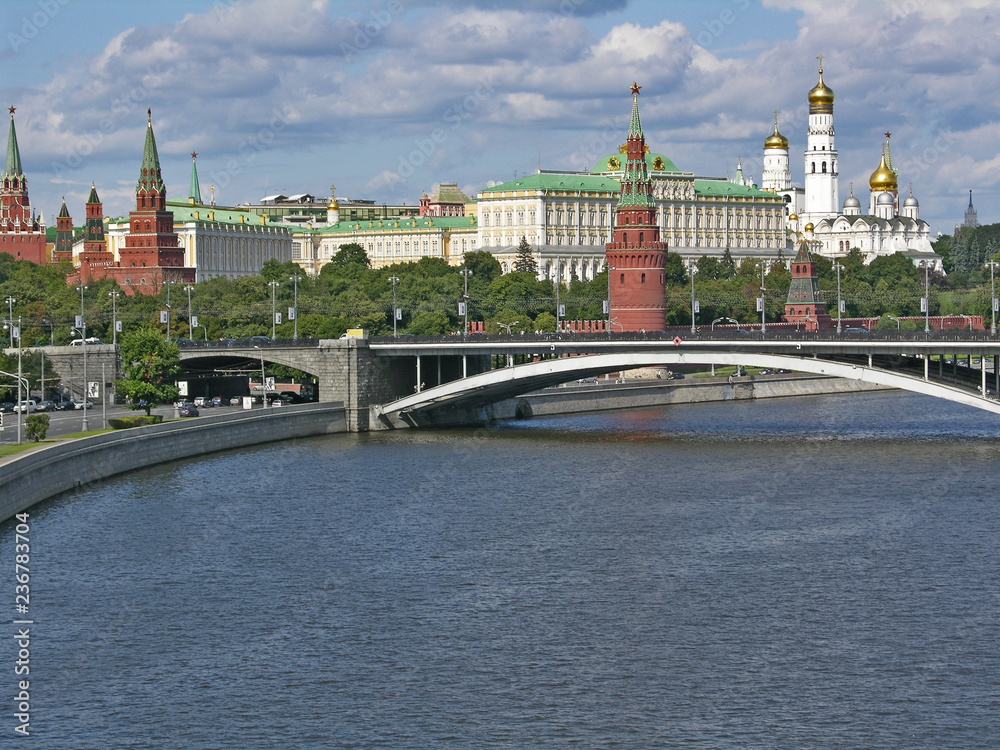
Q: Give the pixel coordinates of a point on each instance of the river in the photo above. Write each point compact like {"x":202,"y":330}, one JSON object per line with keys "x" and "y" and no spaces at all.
{"x":789,"y":573}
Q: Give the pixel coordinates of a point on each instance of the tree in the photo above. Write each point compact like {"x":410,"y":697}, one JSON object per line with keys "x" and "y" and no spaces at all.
{"x":36,"y":426}
{"x":150,"y":366}
{"x":430,"y":323}
{"x":676,"y":272}
{"x":351,"y":254}
{"x":484,"y":266}
{"x":525,"y":260}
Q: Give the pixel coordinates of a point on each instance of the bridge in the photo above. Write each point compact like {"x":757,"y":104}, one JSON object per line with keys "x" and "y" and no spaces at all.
{"x":412,"y":381}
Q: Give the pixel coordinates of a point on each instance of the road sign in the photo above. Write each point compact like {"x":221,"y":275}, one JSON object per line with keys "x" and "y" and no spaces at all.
{"x":677,"y":341}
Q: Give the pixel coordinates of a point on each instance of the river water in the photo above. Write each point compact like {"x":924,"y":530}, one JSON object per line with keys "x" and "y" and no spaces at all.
{"x":798,"y":573}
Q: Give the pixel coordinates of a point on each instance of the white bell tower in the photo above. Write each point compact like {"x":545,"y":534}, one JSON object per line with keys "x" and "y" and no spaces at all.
{"x":821,"y":199}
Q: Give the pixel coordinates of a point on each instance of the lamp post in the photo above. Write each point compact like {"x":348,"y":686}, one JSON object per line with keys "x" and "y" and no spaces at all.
{"x":993,"y":298}
{"x":893,"y":317}
{"x":15,"y":333}
{"x":295,"y":303}
{"x":10,"y":316}
{"x":263,"y":382}
{"x":508,"y":326}
{"x":205,"y":328}
{"x":83,"y":335}
{"x":927,"y":295}
{"x":465,"y":299}
{"x":723,"y":318}
{"x":114,"y":317}
{"x":839,"y":305}
{"x":610,"y":269}
{"x":694,"y":302}
{"x":763,"y":270}
{"x":558,"y":284}
{"x":273,"y":285}
{"x":169,"y":284}
{"x":188,"y":288}
{"x":395,"y":312}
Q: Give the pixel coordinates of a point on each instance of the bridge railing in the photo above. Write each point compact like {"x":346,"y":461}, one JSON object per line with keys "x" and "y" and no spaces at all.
{"x":261,"y":342}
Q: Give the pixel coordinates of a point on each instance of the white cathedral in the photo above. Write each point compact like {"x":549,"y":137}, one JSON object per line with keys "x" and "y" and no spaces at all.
{"x":815,"y":210}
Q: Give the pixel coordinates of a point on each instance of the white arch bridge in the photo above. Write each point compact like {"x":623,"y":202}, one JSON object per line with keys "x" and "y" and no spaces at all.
{"x":915,"y":364}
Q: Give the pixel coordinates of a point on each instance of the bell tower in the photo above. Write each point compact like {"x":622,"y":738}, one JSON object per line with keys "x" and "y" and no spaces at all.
{"x":821,"y":199}
{"x":636,"y":259}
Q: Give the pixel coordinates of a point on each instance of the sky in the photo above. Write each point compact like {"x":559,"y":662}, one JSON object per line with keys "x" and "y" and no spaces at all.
{"x":387,"y":98}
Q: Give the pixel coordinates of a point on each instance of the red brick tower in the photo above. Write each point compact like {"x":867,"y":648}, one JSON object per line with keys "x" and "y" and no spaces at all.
{"x":151,"y":255}
{"x":63,"y":249}
{"x":96,"y":259}
{"x":804,"y":305}
{"x":20,"y":233}
{"x":635,"y":256}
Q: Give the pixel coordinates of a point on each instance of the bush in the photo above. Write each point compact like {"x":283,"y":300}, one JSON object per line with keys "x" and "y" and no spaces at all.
{"x":36,"y":426}
{"x":139,"y":420}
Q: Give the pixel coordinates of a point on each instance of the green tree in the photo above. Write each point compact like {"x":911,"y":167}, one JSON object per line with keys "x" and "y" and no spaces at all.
{"x":676,"y":272}
{"x":351,"y":254}
{"x":545,"y":322}
{"x":430,"y":323}
{"x":484,"y":266}
{"x":36,"y":427}
{"x":149,"y":366}
{"x":525,"y":260}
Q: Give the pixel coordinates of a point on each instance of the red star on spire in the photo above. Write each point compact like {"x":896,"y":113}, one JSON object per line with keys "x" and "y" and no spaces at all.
{"x":194,"y":154}
{"x":887,"y":134}
{"x":12,"y":110}
{"x":635,"y":88}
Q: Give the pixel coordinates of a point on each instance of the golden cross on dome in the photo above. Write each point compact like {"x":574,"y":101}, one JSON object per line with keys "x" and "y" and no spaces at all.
{"x":635,"y":88}
{"x":12,"y":110}
{"x":820,"y":58}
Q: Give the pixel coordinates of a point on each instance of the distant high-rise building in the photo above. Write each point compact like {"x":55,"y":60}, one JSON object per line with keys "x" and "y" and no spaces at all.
{"x":971,"y":219}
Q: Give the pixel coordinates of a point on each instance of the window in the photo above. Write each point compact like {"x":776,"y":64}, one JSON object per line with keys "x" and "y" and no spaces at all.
{"x":642,"y":279}
{"x":640,"y":238}
{"x":814,"y":167}
{"x":824,"y":167}
{"x":622,"y":281}
{"x":625,"y":238}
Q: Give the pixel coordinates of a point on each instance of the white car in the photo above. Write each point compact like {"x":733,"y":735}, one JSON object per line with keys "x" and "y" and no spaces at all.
{"x":82,"y":405}
{"x":26,"y":407}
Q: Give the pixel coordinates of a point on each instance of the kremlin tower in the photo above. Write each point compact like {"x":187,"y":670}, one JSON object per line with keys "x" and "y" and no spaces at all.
{"x":63,"y":249}
{"x":636,"y":259}
{"x":21,"y":235}
{"x":821,"y":200}
{"x":96,"y":259}
{"x":804,"y":305}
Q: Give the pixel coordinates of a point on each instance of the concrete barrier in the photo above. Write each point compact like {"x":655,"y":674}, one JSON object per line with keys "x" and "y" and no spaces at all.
{"x":30,"y":477}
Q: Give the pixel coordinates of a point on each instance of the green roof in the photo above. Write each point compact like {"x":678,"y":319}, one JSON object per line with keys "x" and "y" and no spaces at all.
{"x":149,"y":172}
{"x":64,"y":212}
{"x":403,"y":223}
{"x":93,"y":199}
{"x":184,"y":212}
{"x":12,"y":167}
{"x":724,"y":187}
{"x":195,"y":190}
{"x":607,"y":164}
{"x":555,"y":181}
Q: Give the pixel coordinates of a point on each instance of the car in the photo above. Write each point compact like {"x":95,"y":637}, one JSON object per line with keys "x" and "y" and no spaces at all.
{"x":83,"y":405}
{"x":227,"y":341}
{"x":259,"y":340}
{"x":219,"y":401}
{"x":46,"y":406}
{"x":187,"y":411}
{"x":855,"y":331}
{"x":63,"y":405}
{"x":7,"y":407}
{"x":91,"y":341}
{"x":675,"y":376}
{"x":26,"y":407}
{"x":199,"y":400}
{"x":587,"y":380}
{"x":235,"y":401}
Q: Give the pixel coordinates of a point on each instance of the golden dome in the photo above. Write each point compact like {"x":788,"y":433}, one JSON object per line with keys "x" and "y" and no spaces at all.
{"x":776,"y":139}
{"x":333,"y":205}
{"x":793,"y":217}
{"x":809,"y":227}
{"x":882,"y":178}
{"x":820,"y":98}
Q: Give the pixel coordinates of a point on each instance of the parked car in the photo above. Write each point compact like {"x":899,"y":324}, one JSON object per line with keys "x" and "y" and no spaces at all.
{"x":26,"y":407}
{"x":83,"y":405}
{"x":587,"y":380}
{"x":199,"y":400}
{"x":235,"y":401}
{"x":91,"y":341}
{"x":219,"y":401}
{"x":187,"y":411}
{"x":855,"y":331}
{"x":63,"y":405}
{"x":46,"y":406}
{"x":7,"y":407}
{"x":259,"y":340}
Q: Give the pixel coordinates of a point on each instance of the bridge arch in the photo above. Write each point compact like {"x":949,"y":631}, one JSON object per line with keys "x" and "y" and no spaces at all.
{"x":498,"y":385}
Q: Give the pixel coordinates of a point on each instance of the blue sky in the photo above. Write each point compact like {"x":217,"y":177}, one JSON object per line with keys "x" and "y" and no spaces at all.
{"x":388,"y":97}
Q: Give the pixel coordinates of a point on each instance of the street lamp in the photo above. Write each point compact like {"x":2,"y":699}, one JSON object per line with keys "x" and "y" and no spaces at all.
{"x":508,"y":326}
{"x":993,"y":298}
{"x":295,"y":304}
{"x":206,"y":331}
{"x":967,"y":317}
{"x":10,"y":316}
{"x":188,"y":287}
{"x":83,"y":335}
{"x":558,"y":284}
{"x":273,"y":285}
{"x":763,"y":270}
{"x":927,"y":296}
{"x":15,"y":333}
{"x":114,"y":316}
{"x":839,"y":303}
{"x":893,"y":317}
{"x":610,"y":269}
{"x":465,"y":300}
{"x":263,"y":382}
{"x":724,"y":318}
{"x":395,"y":312}
{"x":168,"y":284}
{"x":694,"y":302}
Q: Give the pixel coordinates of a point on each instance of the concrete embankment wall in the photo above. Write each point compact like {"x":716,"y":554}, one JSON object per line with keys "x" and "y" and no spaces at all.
{"x":31,"y":477}
{"x":628,"y":395}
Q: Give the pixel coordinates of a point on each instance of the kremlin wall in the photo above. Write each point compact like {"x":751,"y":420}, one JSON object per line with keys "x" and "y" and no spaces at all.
{"x":625,"y":215}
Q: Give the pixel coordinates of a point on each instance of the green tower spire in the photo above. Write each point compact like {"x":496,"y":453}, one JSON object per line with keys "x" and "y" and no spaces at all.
{"x":12,"y":167}
{"x":63,"y":212}
{"x":194,"y":193}
{"x":637,"y":189}
{"x":93,"y":195}
{"x":149,"y":173}
{"x":635,"y":127}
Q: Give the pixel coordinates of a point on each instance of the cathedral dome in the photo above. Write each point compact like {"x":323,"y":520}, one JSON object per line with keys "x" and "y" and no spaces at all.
{"x":852,"y":202}
{"x":882,"y":178}
{"x":793,"y":217}
{"x":776,"y":139}
{"x":911,"y":201}
{"x":821,"y":98}
{"x":884,"y":199}
{"x":332,"y":205}
{"x":809,"y":227}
